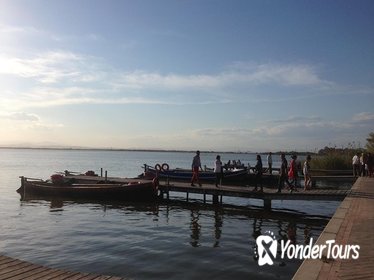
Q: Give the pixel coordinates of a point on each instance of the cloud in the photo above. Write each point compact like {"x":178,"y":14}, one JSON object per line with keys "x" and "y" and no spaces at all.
{"x":50,"y":67}
{"x":281,"y":74}
{"x":23,"y":123}
{"x":12,"y":29}
{"x":59,"y":78}
{"x":21,"y":116}
{"x":300,"y":127}
{"x":364,"y":117}
{"x":285,"y":75}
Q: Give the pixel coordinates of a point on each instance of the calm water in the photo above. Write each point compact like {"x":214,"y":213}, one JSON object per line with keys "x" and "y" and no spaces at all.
{"x":149,"y":240}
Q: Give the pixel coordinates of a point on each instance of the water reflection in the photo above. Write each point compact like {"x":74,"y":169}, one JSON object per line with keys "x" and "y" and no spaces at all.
{"x":195,"y":228}
{"x":289,"y":225}
{"x":218,"y":223}
{"x":56,"y":205}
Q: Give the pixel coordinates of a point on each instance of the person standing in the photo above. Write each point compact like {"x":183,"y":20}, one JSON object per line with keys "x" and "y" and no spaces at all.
{"x":270,"y":163}
{"x":218,"y":171}
{"x":258,"y":170}
{"x":306,"y":171}
{"x":196,"y":165}
{"x":363,"y":164}
{"x":370,"y":164}
{"x":356,"y":165}
{"x":282,"y":173}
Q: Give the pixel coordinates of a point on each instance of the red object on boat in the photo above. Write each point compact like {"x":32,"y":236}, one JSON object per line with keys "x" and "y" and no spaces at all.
{"x":57,"y":179}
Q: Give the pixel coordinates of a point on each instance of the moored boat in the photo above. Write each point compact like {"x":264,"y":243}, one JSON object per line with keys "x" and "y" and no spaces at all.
{"x":164,"y":172}
{"x":77,"y":187}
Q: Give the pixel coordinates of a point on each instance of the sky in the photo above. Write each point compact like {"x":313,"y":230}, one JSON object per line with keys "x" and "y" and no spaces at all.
{"x":238,"y":75}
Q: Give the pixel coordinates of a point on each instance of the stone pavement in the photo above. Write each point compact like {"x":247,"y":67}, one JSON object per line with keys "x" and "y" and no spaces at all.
{"x":352,"y":224}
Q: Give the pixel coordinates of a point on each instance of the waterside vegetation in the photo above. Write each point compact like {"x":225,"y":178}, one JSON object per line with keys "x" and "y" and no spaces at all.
{"x":333,"y":158}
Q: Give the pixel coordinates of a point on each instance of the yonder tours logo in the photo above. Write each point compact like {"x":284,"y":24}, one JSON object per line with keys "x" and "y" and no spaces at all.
{"x":267,"y":248}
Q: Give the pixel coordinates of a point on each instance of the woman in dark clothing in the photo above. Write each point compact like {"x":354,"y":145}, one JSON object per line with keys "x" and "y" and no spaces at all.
{"x":258,"y":171}
{"x":283,"y":176}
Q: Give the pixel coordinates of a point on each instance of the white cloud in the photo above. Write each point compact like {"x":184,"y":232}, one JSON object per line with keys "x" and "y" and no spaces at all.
{"x":12,"y":29}
{"x":57,"y":78}
{"x":21,"y":116}
{"x":298,"y":129}
{"x":48,"y":68}
{"x":364,"y":117}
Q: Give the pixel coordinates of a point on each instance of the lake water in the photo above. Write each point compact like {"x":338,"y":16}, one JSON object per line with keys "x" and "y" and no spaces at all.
{"x":157,"y":240}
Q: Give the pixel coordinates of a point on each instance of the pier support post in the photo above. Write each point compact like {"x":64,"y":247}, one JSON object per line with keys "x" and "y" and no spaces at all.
{"x":23,"y":185}
{"x":215,"y":198}
{"x":267,"y":204}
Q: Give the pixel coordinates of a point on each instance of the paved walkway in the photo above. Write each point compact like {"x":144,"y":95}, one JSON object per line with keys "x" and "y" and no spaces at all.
{"x":353,"y":224}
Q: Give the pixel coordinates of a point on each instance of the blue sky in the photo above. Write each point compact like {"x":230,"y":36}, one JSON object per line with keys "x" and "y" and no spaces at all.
{"x":210,"y":75}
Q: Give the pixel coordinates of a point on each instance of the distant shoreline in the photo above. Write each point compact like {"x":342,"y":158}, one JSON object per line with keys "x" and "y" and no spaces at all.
{"x":146,"y":150}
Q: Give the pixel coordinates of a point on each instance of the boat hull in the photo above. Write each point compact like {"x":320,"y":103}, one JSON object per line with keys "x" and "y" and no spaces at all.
{"x":239,"y":175}
{"x":131,"y":191}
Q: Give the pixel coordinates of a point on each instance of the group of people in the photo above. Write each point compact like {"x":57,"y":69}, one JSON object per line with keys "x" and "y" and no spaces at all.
{"x":287,"y":174}
{"x":233,"y":164}
{"x":363,"y":165}
{"x":196,"y":166}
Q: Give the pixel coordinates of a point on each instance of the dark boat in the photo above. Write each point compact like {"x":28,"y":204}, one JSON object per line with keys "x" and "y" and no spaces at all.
{"x":85,"y":187}
{"x":179,"y":174}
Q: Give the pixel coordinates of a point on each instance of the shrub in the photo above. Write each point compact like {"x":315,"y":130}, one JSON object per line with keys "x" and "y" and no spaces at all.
{"x":332,"y":161}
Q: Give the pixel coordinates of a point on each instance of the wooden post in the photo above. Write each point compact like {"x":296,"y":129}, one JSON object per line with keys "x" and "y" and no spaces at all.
{"x":215,"y":198}
{"x":106,"y":175}
{"x":23,"y":185}
{"x":267,"y":204}
{"x":101,"y":172}
{"x":187,"y":197}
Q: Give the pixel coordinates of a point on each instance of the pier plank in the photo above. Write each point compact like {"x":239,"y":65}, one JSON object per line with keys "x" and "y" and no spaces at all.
{"x":30,"y":274}
{"x":14,"y":269}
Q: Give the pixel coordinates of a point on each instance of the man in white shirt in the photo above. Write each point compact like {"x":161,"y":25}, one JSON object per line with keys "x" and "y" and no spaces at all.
{"x":356,"y":165}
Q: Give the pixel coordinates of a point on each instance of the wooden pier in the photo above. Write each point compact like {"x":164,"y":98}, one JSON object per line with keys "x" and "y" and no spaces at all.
{"x":217,"y":193}
{"x":352,"y":224}
{"x":267,"y":195}
{"x":13,"y":269}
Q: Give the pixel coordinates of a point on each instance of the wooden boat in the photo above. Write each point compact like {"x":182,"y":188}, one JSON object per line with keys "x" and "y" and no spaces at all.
{"x":87,"y":188}
{"x":179,"y":174}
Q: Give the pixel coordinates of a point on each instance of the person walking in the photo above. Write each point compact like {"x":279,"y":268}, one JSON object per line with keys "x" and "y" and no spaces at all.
{"x":306,"y":171}
{"x":282,"y":173}
{"x":196,"y":165}
{"x":293,"y":173}
{"x":258,"y":170}
{"x":270,"y":163}
{"x":218,"y":170}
